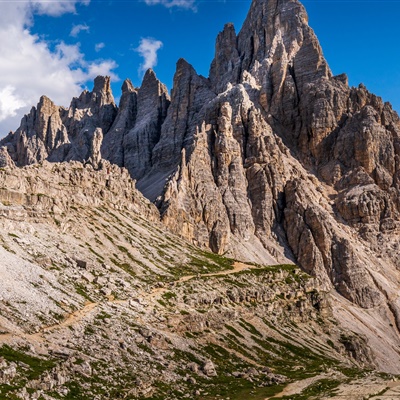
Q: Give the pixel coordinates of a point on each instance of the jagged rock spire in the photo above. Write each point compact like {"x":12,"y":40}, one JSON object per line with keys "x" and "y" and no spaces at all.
{"x":112,"y":146}
{"x":226,"y":66}
{"x":152,"y":105}
{"x":57,"y":134}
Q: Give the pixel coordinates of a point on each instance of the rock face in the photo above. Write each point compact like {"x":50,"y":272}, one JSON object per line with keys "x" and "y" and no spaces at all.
{"x":136,"y":130}
{"x":5,"y":159}
{"x":271,"y":158}
{"x":62,"y":186}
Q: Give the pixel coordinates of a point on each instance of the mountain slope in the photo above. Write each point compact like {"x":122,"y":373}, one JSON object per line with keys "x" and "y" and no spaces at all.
{"x":99,"y":300}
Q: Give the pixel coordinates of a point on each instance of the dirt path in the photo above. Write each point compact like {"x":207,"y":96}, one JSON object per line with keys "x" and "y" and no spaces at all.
{"x":78,"y":315}
{"x":298,"y":386}
{"x":237,"y":267}
{"x":72,"y":318}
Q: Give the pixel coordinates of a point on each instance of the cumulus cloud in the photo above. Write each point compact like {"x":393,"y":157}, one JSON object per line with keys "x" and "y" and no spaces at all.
{"x":9,"y":102}
{"x":77,"y":29}
{"x":99,"y":46}
{"x":185,"y":4}
{"x":29,"y":67}
{"x":55,"y":8}
{"x":148,"y":48}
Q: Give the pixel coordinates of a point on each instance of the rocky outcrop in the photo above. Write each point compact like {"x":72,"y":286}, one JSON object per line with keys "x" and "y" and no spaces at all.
{"x":209,"y":195}
{"x":323,"y":249}
{"x":57,"y":134}
{"x":137,"y":127}
{"x":190,"y":93}
{"x":88,"y":118}
{"x":226,"y":65}
{"x":5,"y":159}
{"x":58,"y":187}
{"x":41,"y":133}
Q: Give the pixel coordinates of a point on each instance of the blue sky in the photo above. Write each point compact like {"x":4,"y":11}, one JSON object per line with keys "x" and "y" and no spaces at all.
{"x":57,"y":47}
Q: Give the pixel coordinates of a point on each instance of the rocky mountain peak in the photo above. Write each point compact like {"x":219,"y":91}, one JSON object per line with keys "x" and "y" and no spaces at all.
{"x":226,"y":64}
{"x":102,"y":88}
{"x":45,"y":102}
{"x":127,"y":102}
{"x":151,"y":92}
{"x":182,"y":65}
{"x":151,"y":84}
{"x":127,"y":86}
{"x":101,"y":96}
{"x":183,"y":74}
{"x":265,"y":19}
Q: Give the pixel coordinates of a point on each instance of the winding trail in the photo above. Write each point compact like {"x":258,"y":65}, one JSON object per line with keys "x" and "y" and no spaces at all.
{"x":80,"y":314}
{"x":237,"y":267}
{"x":72,"y":318}
{"x":298,"y":386}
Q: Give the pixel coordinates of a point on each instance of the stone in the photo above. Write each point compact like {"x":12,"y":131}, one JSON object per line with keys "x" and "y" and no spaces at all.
{"x":81,"y":264}
{"x":53,"y":133}
{"x":209,"y":369}
{"x":106,"y":291}
{"x":112,"y":145}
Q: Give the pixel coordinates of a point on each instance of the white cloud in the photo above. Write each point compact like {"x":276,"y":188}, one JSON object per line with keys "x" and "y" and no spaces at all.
{"x":55,"y":8}
{"x":185,"y":4}
{"x":77,"y":29}
{"x":20,"y":12}
{"x":29,"y":68}
{"x":148,"y":48}
{"x":9,"y":103}
{"x":99,"y":46}
{"x":102,"y":67}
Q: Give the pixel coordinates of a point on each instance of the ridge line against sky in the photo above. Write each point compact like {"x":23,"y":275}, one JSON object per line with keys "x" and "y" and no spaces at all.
{"x":57,"y":47}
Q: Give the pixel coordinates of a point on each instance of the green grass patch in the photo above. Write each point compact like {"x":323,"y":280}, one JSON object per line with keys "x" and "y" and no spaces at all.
{"x":37,"y":366}
{"x":81,"y":290}
{"x":249,"y":327}
{"x":234,"y":331}
{"x":323,"y":387}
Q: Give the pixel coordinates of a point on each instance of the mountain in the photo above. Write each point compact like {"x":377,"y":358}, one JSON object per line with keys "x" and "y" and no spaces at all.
{"x":270,"y":160}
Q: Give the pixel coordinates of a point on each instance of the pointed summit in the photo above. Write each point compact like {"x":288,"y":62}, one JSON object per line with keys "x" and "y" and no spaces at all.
{"x":102,"y":84}
{"x":112,"y":146}
{"x":275,"y":35}
{"x":128,"y":99}
{"x":127,"y":86}
{"x":226,"y":64}
{"x":264,"y":19}
{"x":152,"y":105}
{"x":151,"y":84}
{"x":273,"y":23}
{"x":102,"y":89}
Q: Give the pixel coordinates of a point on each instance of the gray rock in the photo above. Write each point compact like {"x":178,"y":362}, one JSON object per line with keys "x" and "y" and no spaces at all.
{"x":209,"y":369}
